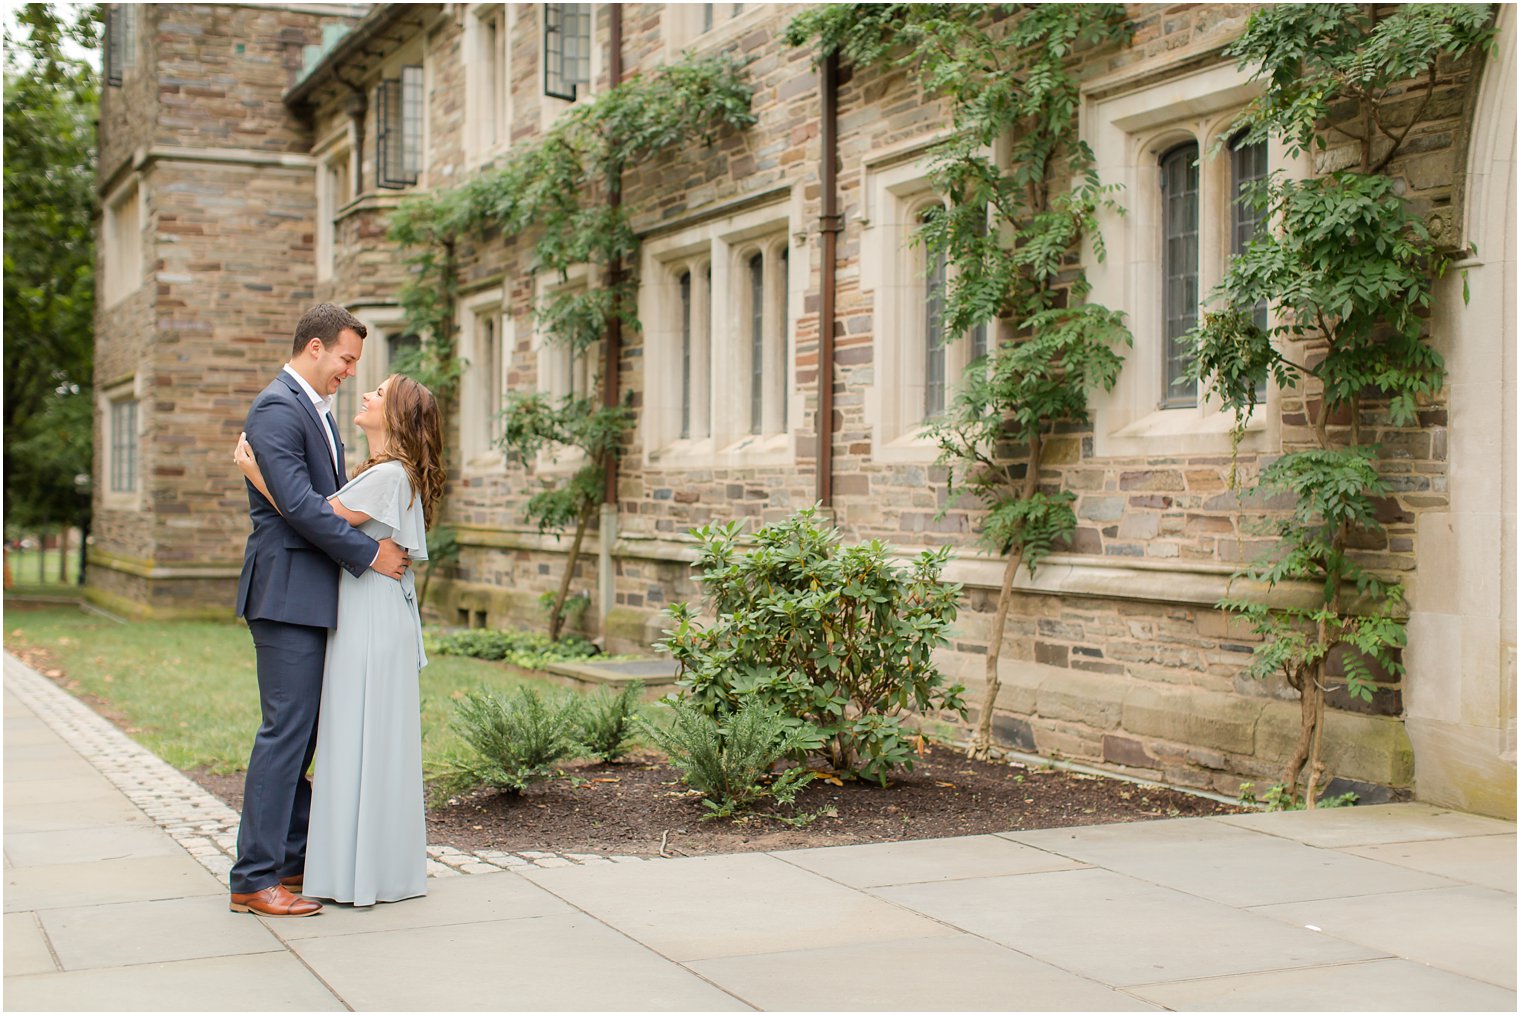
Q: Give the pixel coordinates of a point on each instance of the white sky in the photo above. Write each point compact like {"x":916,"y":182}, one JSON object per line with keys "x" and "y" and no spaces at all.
{"x":67,"y":11}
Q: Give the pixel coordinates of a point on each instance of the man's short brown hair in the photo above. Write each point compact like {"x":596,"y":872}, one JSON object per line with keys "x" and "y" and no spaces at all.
{"x":325,"y":321}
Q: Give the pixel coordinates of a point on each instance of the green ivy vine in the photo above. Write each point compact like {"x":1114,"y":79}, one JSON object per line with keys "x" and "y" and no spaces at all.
{"x":555,"y":192}
{"x":1008,"y":232}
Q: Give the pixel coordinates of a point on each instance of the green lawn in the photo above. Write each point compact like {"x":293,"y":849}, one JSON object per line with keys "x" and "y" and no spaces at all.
{"x":187,"y":690}
{"x":38,"y":569}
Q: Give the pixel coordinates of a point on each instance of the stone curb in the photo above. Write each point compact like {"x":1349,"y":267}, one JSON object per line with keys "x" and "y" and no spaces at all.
{"x":204,"y":826}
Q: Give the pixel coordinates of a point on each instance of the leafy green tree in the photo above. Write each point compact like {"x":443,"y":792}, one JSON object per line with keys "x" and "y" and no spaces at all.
{"x":536,"y":424}
{"x":1007,"y":233}
{"x":1349,"y":268}
{"x":51,"y":101}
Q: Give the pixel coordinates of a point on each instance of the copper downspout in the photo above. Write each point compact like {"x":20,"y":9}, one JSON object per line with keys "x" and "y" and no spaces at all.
{"x":612,"y":347}
{"x":828,"y":229}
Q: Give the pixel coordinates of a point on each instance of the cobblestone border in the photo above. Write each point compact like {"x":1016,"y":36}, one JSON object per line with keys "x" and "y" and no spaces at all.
{"x":192,"y":817}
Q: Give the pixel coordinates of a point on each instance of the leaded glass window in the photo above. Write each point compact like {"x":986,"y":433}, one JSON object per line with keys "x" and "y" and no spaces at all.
{"x":1179,"y":270}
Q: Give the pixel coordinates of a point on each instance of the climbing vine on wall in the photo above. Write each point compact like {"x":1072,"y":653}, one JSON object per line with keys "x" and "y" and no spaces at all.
{"x":556,"y":193}
{"x":1348,"y":273}
{"x":1021,"y":195}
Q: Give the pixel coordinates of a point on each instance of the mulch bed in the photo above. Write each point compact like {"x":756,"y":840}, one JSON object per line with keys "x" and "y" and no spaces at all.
{"x":637,"y":807}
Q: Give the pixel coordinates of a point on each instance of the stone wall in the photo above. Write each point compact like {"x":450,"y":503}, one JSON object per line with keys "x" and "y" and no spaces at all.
{"x":1113,"y":653}
{"x":1176,"y":517}
{"x":227,"y":233}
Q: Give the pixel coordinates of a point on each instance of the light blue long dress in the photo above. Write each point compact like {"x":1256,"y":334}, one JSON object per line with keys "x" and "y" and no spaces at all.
{"x":368,"y":837}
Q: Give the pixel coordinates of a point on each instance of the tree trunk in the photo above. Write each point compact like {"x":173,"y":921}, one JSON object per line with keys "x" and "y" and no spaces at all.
{"x":1305,"y":743}
{"x":63,"y":555}
{"x":981,"y":744}
{"x":41,"y":558}
{"x":84,"y":547}
{"x":422,"y":588}
{"x":557,"y":614}
{"x":1314,"y":688}
{"x":1316,"y":765}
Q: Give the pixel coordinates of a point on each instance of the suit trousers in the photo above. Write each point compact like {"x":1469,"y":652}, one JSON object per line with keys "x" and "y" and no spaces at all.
{"x":277,"y":794}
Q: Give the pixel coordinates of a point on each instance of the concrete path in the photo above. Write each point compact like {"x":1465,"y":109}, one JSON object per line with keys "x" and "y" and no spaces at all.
{"x":1401,"y":907}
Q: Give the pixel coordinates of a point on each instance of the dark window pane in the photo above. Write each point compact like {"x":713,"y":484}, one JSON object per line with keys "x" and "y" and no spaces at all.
{"x":398,"y":131}
{"x":1248,"y":165}
{"x":567,"y":49}
{"x":397,"y":346}
{"x":124,"y":446}
{"x":685,"y":355}
{"x":934,"y":337}
{"x":115,"y":48}
{"x":784,"y":346}
{"x":1179,"y":196}
{"x":756,"y":343}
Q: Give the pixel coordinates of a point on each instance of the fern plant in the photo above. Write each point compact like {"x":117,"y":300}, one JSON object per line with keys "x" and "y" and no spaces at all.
{"x":609,"y":721}
{"x":514,"y":742}
{"x":731,"y":761}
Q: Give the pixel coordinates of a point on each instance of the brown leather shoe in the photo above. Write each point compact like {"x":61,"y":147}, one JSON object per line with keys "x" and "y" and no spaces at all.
{"x":294,"y":883}
{"x":273,"y":901}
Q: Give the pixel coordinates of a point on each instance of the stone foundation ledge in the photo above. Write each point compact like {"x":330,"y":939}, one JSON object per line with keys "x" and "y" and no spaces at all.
{"x":1187,"y":736}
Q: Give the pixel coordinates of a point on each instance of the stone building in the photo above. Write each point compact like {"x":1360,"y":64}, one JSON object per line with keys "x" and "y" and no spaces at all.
{"x":250,"y":157}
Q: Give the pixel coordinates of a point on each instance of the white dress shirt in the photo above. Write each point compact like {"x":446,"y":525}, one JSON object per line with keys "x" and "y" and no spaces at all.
{"x":324,"y":407}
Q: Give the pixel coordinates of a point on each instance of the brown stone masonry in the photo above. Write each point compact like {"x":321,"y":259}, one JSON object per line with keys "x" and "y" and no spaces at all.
{"x":1114,"y":653}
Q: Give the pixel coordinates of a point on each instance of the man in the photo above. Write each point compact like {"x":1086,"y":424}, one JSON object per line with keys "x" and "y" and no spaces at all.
{"x":288,"y":593}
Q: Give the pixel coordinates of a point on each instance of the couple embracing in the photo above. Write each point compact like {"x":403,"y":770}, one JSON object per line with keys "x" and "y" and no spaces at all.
{"x":327,"y":593}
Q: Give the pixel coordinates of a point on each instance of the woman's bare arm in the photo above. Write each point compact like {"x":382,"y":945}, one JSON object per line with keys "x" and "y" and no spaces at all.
{"x":347,"y":514}
{"x":243,"y":456}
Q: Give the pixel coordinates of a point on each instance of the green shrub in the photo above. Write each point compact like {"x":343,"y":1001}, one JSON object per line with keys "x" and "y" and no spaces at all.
{"x":520,"y":648}
{"x":729,"y":762}
{"x":839,"y":639}
{"x":607,"y":721}
{"x":514,"y":741}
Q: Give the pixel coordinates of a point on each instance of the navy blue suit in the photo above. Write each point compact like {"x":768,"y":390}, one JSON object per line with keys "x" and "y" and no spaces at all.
{"x":288,"y":593}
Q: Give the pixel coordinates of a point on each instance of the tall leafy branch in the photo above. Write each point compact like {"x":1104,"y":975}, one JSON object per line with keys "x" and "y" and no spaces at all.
{"x":1008,"y":232}
{"x":557,"y":193}
{"x":1348,"y":270}
{"x":51,"y":101}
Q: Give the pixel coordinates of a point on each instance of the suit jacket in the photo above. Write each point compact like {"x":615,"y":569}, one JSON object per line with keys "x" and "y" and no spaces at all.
{"x":290,"y":567}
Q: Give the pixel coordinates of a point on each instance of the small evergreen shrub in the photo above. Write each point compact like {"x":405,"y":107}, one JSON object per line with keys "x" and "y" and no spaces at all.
{"x":608,"y":721}
{"x":730,"y":761}
{"x":514,"y":741}
{"x":840,"y":640}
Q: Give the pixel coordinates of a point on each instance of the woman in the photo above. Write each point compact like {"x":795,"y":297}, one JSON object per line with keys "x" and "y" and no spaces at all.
{"x":368,"y":837}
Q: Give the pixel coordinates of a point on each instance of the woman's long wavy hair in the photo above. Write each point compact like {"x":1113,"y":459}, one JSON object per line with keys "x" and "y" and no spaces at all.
{"x":415,"y":440}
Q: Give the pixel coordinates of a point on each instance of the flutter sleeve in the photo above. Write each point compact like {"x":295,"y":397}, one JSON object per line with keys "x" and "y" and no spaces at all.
{"x":383,"y":493}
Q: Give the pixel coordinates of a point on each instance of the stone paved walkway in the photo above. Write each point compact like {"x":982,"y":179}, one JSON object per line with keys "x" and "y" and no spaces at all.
{"x":198,"y":821}
{"x":1397,"y":907}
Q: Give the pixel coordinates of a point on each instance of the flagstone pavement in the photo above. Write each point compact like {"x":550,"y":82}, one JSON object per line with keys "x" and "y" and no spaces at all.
{"x":115,"y":899}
